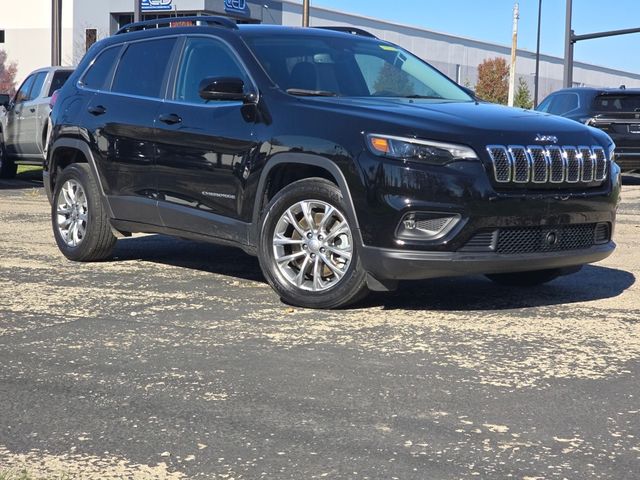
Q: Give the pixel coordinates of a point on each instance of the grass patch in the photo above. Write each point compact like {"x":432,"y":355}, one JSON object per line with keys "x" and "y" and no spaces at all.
{"x":26,"y":169}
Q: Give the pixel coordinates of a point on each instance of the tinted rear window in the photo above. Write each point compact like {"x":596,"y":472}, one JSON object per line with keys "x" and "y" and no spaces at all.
{"x":97,"y":74}
{"x":142,"y":68}
{"x":617,"y":103}
{"x":59,"y":78}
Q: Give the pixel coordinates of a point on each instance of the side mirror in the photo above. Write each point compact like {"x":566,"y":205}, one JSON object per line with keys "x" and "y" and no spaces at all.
{"x":223,"y":88}
{"x":5,"y":100}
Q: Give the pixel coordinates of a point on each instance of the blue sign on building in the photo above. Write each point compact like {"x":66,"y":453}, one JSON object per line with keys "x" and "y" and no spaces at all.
{"x":236,"y":6}
{"x":155,"y":5}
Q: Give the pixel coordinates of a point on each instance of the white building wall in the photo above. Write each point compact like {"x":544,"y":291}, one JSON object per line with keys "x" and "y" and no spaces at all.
{"x":27,"y":26}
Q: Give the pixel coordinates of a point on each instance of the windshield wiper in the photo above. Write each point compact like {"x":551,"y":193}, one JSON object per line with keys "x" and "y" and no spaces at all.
{"x":430,"y":97}
{"x":301,"y":92}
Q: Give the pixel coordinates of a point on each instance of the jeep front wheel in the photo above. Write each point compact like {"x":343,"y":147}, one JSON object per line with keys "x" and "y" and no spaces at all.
{"x":80,"y":223}
{"x":307,"y":248}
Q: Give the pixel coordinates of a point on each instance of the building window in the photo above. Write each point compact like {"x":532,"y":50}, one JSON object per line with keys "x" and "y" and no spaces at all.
{"x":1,"y":36}
{"x":90,"y":37}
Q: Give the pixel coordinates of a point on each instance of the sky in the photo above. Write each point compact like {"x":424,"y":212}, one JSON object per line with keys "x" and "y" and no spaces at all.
{"x":491,"y":20}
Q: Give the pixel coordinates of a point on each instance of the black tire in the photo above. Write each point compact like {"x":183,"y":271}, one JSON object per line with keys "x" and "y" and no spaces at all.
{"x":528,"y":279}
{"x":98,"y":240}
{"x":349,"y":288}
{"x":8,"y":168}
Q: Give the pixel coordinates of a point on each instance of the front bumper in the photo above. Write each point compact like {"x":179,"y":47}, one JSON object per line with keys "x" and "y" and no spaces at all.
{"x":390,"y":264}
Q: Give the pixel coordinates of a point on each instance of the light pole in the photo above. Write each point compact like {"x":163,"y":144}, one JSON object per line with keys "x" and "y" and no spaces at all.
{"x":305,"y":13}
{"x":514,"y":53}
{"x":570,"y":38}
{"x":137,"y":10}
{"x":568,"y":48}
{"x":56,"y":32}
{"x":537,"y":82}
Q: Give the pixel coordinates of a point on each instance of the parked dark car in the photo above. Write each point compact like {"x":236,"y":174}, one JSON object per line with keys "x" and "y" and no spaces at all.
{"x":24,"y":121}
{"x":612,"y":110}
{"x":342,"y":161}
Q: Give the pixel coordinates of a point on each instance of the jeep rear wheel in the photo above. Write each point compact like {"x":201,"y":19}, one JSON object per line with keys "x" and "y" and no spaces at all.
{"x":307,"y":248}
{"x":80,"y":224}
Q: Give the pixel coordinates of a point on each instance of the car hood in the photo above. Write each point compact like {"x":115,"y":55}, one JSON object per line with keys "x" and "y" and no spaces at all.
{"x":465,"y":122}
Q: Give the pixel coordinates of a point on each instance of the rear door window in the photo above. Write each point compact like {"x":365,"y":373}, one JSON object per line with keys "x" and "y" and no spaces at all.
{"x":98,"y":74}
{"x":58,"y":80}
{"x":38,"y":83}
{"x":142,"y":68}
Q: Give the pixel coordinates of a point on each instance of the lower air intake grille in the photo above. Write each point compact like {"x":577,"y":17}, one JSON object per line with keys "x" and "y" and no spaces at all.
{"x":536,"y":239}
{"x":519,"y":240}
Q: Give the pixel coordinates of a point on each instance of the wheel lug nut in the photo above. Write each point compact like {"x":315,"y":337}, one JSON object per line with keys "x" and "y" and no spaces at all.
{"x":313,"y":255}
{"x":322,"y":250}
{"x":304,"y":245}
{"x":309,"y":235}
{"x":320,"y":237}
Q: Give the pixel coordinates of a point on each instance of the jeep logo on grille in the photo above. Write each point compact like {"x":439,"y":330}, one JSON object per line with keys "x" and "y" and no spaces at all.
{"x":546,"y":138}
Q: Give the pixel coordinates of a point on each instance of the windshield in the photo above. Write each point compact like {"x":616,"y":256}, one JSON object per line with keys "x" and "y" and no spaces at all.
{"x":350,"y":67}
{"x":617,"y":103}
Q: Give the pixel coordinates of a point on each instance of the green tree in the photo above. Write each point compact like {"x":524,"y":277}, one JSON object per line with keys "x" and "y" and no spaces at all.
{"x":392,"y":79}
{"x":522,"y":97}
{"x":7,"y":74}
{"x":493,"y":80}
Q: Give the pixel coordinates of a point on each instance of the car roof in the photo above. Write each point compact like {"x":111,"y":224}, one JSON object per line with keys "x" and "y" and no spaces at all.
{"x":601,"y":91}
{"x":245,"y":30}
{"x":53,"y":69}
{"x":249,"y":30}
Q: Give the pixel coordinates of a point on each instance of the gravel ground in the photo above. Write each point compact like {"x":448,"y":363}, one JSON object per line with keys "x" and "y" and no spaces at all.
{"x":175,"y":360}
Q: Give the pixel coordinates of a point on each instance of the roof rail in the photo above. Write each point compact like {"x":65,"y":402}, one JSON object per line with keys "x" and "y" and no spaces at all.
{"x":351,"y":30}
{"x":196,"y":20}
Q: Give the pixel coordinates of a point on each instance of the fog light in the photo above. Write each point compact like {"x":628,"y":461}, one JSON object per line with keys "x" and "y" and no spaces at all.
{"x":426,"y":225}
{"x":409,"y":223}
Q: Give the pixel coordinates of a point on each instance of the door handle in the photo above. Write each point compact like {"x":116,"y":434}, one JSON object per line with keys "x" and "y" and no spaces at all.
{"x":170,"y":118}
{"x":97,"y":110}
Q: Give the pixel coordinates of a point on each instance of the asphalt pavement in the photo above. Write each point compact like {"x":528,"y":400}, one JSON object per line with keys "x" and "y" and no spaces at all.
{"x":175,"y":360}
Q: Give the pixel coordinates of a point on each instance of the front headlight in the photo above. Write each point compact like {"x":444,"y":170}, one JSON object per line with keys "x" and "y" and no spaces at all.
{"x":612,"y":152}
{"x":403,"y":148}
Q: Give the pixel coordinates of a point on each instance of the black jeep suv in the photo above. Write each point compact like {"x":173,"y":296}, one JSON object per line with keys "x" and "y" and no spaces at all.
{"x":343,"y":161}
{"x":612,"y":110}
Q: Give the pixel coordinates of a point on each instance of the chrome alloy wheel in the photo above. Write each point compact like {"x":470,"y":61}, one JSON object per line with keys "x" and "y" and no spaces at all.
{"x":313,"y":245}
{"x":72,"y":211}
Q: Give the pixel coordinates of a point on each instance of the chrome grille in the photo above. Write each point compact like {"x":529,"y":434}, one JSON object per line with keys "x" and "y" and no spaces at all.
{"x":573,"y":164}
{"x":601,"y":163}
{"x":551,"y":164}
{"x":587,"y":164}
{"x":521,"y":165}
{"x":501,"y":163}
{"x":539,"y":165}
{"x":556,"y":159}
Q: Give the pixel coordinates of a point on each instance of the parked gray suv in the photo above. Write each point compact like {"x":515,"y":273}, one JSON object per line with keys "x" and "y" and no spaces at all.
{"x":25,"y":117}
